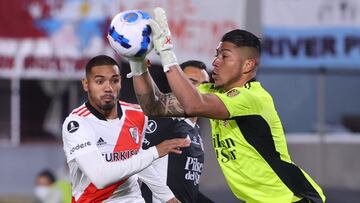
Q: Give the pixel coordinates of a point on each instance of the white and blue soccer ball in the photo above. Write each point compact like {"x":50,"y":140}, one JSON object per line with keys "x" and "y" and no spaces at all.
{"x":130,"y":34}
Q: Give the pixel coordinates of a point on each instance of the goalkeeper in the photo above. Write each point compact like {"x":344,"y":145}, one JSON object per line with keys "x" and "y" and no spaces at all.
{"x":248,"y":137}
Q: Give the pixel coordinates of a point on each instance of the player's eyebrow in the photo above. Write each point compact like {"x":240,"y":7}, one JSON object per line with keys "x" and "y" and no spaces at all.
{"x":222,"y":50}
{"x":193,"y":80}
{"x":99,"y":76}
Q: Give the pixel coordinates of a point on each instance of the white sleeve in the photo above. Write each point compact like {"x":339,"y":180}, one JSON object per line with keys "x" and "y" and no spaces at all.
{"x":78,"y":137}
{"x":102,"y":173}
{"x":157,"y":186}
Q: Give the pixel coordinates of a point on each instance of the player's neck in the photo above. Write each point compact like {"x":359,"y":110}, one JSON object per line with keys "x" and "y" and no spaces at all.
{"x":193,"y":119}
{"x":111,"y":114}
{"x":107,"y":114}
{"x":240,"y":82}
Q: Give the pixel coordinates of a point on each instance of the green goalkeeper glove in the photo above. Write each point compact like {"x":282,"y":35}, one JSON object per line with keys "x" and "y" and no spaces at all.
{"x":162,"y":39}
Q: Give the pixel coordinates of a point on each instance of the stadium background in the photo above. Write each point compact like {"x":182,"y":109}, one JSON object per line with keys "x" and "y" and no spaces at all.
{"x":310,"y":64}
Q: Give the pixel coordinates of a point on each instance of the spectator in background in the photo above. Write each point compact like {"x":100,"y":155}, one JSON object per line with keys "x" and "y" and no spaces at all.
{"x":43,"y":185}
{"x":63,"y":183}
{"x":50,"y":190}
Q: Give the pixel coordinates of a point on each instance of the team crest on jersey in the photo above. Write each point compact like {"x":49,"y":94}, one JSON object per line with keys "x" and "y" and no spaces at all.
{"x":151,"y":127}
{"x":134,"y":132}
{"x":233,"y":93}
{"x":72,"y":126}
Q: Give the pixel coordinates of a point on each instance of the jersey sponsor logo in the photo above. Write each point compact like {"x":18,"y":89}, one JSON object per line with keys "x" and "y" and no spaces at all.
{"x":80,"y":146}
{"x":72,"y":126}
{"x":118,"y":156}
{"x":194,"y":140}
{"x":151,"y":127}
{"x":134,"y":132}
{"x":193,"y":167}
{"x":224,"y":149}
{"x":146,"y":142}
{"x":233,"y":93}
{"x":100,"y":142}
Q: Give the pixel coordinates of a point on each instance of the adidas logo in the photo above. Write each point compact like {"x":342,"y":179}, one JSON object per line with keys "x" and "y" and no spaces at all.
{"x":100,"y":142}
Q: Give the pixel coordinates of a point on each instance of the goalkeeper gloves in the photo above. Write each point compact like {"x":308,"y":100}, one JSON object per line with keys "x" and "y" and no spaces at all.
{"x":138,"y":66}
{"x":161,"y":37}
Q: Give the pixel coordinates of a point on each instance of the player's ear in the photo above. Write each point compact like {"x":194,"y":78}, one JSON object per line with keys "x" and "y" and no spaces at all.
{"x":249,"y":65}
{"x":85,"y":84}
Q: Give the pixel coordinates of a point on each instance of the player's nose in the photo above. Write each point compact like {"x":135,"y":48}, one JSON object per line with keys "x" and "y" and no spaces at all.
{"x":108,"y":87}
{"x":215,"y":62}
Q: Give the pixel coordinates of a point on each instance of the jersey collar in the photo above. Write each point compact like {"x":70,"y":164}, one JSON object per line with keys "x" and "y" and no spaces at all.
{"x":252,"y":80}
{"x":248,"y":84}
{"x":99,"y":115}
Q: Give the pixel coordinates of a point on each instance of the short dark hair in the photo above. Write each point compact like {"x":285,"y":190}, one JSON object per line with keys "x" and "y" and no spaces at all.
{"x":197,"y":64}
{"x":242,"y":38}
{"x":47,"y":173}
{"x":98,"y":61}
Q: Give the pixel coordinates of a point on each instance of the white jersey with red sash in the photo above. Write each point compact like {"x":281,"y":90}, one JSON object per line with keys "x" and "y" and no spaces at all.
{"x":85,"y":130}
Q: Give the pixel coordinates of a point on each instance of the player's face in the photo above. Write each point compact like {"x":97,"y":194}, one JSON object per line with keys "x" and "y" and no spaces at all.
{"x":195,"y":75}
{"x":103,"y":85}
{"x":228,"y":65}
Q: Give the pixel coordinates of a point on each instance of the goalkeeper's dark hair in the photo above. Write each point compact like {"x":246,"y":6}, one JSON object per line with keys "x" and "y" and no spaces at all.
{"x":242,"y":38}
{"x":197,"y":64}
{"x":99,"y":61}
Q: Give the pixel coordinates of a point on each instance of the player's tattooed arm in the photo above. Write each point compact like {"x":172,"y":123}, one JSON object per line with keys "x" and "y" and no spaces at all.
{"x":159,"y":104}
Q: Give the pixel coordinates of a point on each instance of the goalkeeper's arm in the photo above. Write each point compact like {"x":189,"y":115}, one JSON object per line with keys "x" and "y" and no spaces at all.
{"x":193,"y":102}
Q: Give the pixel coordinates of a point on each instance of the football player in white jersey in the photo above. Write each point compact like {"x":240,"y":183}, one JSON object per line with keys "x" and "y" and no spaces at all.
{"x":102,"y":143}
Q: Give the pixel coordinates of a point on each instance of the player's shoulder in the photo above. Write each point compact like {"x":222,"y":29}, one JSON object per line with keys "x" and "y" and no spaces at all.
{"x":130,"y":106}
{"x":207,"y":88}
{"x":248,"y":91}
{"x":77,"y":115}
{"x":80,"y":117}
{"x":253,"y":91}
{"x":81,"y":111}
{"x":163,"y":122}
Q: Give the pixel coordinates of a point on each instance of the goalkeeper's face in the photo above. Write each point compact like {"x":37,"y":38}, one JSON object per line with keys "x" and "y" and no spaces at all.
{"x":232,"y":64}
{"x":103,"y":85}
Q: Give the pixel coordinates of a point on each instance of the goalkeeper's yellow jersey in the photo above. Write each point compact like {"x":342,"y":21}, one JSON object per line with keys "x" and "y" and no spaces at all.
{"x":251,"y":149}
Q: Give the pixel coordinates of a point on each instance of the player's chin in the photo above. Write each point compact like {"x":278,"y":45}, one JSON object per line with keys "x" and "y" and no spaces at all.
{"x":218,"y":83}
{"x":106,"y":106}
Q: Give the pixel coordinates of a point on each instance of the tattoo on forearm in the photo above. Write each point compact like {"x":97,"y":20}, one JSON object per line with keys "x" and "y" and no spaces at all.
{"x":159,"y":104}
{"x":171,"y":105}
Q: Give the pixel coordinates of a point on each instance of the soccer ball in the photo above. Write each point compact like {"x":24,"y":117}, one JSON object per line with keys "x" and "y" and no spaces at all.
{"x":130,"y":34}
